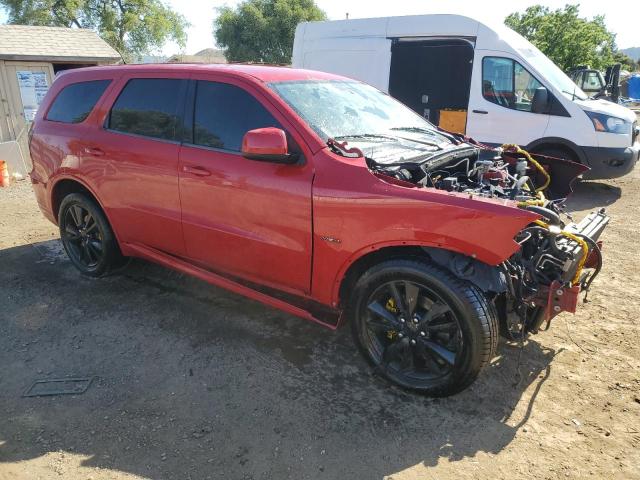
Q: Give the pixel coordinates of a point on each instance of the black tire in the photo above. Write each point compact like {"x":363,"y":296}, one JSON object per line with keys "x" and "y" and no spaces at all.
{"x":454,"y":336}
{"x":87,"y":236}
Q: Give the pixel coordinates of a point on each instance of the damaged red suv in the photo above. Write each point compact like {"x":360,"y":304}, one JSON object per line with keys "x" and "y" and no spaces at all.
{"x":318,"y":195}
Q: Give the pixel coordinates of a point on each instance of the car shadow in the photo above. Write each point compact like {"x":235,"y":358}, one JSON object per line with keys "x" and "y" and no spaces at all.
{"x":591,"y":194}
{"x":192,"y":381}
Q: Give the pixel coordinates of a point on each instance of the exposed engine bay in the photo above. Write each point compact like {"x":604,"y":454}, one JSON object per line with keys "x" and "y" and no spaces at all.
{"x":557,"y":258}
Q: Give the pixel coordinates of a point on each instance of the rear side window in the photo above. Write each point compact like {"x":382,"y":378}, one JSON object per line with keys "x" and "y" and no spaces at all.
{"x":75,"y":102}
{"x":149,"y":107}
{"x":224,"y":113}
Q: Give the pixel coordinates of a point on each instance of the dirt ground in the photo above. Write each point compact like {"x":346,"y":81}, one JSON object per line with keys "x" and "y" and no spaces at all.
{"x":192,"y":382}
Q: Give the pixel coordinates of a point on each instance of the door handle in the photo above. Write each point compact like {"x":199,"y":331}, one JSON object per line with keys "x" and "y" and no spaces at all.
{"x":96,"y":152}
{"x":196,"y":170}
{"x":483,"y":112}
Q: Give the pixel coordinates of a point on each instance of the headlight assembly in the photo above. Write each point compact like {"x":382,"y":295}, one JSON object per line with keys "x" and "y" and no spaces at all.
{"x":605,"y":123}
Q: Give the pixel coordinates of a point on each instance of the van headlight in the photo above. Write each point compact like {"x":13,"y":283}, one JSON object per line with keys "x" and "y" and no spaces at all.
{"x":605,"y":123}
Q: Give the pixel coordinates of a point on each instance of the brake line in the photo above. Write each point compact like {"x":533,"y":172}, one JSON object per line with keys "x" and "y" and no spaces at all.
{"x":579,"y":241}
{"x":527,"y":155}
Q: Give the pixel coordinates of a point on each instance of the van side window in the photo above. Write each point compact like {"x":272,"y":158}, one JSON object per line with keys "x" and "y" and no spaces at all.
{"x":507,"y":83}
{"x":224,"y":113}
{"x":148,"y":107}
{"x":75,"y":102}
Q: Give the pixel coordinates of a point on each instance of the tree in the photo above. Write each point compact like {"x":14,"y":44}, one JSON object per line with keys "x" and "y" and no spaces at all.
{"x":566,"y":38}
{"x":262,"y":30}
{"x":625,"y":60}
{"x":133,"y":27}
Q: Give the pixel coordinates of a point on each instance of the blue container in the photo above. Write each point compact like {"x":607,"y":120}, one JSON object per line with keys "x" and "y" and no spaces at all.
{"x":634,"y":87}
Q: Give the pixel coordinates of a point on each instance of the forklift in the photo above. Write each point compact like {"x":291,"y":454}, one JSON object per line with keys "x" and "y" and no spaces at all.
{"x":595,"y":85}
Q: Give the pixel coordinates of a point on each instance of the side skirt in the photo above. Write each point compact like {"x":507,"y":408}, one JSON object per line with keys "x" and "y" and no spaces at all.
{"x":180,"y":265}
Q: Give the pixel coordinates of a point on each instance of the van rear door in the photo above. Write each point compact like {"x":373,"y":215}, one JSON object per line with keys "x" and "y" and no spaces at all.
{"x":432,"y":76}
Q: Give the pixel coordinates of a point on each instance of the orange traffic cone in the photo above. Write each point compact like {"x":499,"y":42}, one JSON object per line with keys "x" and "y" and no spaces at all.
{"x":4,"y":174}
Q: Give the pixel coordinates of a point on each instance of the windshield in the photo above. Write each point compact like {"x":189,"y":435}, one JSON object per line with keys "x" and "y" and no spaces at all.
{"x":550,"y":72}
{"x":342,"y":109}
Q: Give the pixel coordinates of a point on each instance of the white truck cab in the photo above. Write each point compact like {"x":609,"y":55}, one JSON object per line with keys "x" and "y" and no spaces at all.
{"x":486,"y":82}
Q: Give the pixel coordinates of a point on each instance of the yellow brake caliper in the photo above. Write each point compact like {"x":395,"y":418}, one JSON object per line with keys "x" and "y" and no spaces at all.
{"x":391,"y":306}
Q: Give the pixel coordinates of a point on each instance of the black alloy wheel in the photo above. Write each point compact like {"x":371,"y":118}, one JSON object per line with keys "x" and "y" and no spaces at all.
{"x":87,"y":236}
{"x":423,"y":328}
{"x":412,"y":331}
{"x":83,"y":237}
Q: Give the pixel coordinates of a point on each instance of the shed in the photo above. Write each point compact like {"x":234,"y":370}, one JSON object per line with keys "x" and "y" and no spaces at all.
{"x":30,"y":56}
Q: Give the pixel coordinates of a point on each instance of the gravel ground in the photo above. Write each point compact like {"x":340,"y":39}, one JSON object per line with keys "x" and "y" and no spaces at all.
{"x":192,"y":382}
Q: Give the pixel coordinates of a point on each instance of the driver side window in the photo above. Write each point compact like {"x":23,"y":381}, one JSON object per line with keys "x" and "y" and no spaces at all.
{"x":507,"y":83}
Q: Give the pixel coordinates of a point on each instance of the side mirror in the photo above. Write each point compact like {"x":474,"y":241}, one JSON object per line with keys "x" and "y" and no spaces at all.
{"x":540,"y":102}
{"x":267,"y":145}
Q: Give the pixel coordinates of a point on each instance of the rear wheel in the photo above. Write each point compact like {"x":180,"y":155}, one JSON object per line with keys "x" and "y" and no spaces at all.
{"x":421,"y":327}
{"x":87,"y":236}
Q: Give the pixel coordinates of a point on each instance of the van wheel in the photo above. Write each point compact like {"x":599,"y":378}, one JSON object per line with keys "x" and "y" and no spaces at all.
{"x":421,"y":327}
{"x":87,"y":236}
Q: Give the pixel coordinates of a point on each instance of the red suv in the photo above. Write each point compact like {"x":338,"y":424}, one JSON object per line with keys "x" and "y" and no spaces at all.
{"x":318,"y":195}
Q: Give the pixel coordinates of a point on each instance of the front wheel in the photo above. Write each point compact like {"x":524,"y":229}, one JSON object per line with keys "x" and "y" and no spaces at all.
{"x":421,"y":327}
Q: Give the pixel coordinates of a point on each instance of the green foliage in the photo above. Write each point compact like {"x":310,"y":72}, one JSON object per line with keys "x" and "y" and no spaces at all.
{"x":566,"y":38}
{"x":133,"y":27}
{"x":625,"y":60}
{"x":262,"y":30}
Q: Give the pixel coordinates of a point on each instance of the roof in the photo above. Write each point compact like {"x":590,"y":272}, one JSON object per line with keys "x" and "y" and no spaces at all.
{"x":27,"y":42}
{"x":491,"y":35}
{"x":264,"y":73}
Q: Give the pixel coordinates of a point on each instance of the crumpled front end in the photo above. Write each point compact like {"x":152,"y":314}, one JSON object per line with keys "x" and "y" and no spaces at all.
{"x":556,"y":262}
{"x":557,"y":259}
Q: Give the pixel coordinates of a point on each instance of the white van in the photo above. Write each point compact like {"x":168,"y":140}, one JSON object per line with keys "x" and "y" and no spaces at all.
{"x":486,"y":82}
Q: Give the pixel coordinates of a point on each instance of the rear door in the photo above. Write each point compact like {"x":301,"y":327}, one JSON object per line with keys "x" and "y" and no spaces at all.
{"x":131,"y":155}
{"x":243,"y":217}
{"x":432,"y":76}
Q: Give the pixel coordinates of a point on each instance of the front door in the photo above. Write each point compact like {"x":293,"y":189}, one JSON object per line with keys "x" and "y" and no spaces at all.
{"x":245,"y":218}
{"x":500,"y":102}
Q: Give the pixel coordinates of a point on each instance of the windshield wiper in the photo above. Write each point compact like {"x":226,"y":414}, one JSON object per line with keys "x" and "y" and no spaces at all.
{"x":433,"y":133}
{"x":365,"y":135}
{"x":414,"y":129}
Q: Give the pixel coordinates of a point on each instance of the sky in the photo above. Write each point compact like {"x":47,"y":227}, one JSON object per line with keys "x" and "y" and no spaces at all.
{"x":623,"y":19}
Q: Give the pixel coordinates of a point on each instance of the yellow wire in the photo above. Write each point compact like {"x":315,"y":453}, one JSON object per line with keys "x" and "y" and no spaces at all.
{"x":526,"y":203}
{"x":579,"y":241}
{"x":528,"y":156}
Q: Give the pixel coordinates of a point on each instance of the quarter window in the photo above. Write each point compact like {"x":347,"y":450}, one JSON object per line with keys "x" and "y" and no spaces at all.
{"x":75,"y":102}
{"x":224,"y":113}
{"x":507,"y":83}
{"x":149,"y":107}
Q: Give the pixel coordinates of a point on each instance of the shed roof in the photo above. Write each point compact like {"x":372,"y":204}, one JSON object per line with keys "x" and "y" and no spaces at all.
{"x":27,"y":42}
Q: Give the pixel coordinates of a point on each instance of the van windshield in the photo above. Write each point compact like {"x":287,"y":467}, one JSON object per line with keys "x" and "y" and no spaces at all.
{"x":551,"y":74}
{"x":347,"y":109}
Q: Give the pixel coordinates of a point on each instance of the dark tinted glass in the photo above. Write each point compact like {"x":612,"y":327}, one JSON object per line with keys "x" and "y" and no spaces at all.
{"x":75,"y":102}
{"x":224,"y":113}
{"x":147,"y":106}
